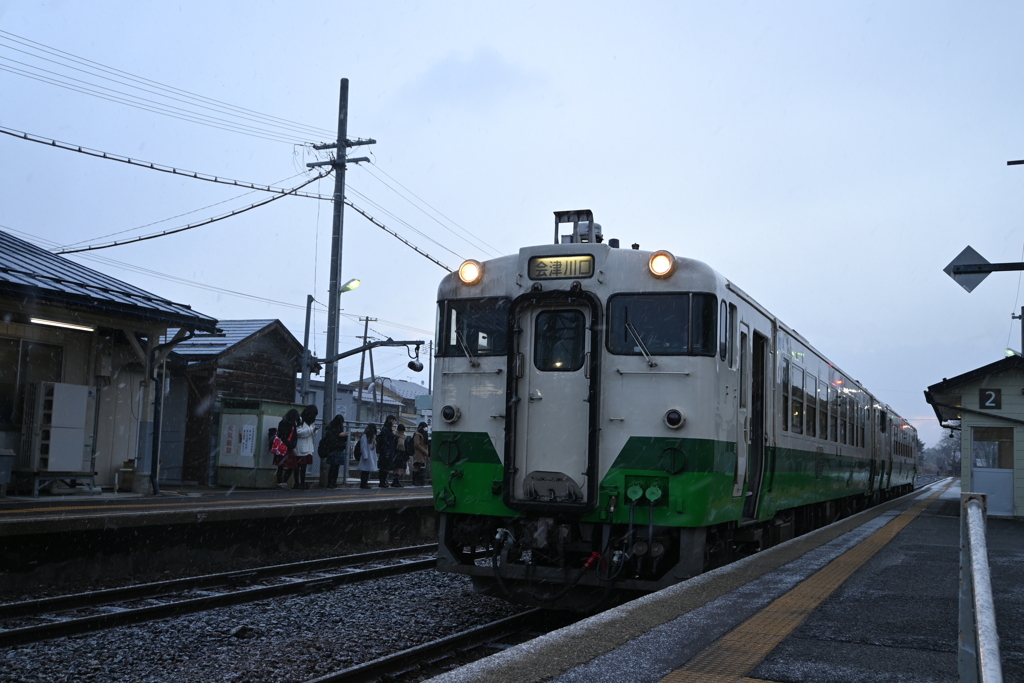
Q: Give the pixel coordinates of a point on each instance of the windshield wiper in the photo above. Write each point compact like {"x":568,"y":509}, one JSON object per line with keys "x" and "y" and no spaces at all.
{"x":640,"y":342}
{"x":473,"y":362}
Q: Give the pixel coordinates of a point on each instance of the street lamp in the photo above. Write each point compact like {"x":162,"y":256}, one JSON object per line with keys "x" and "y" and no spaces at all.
{"x":307,"y":360}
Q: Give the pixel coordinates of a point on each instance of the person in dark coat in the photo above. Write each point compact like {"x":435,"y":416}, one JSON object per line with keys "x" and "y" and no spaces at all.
{"x":286,"y":430}
{"x":401,"y":459}
{"x":334,"y":447}
{"x":386,"y":451}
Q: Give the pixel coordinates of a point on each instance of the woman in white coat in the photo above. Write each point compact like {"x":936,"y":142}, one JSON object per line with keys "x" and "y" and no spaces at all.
{"x":367,"y":455}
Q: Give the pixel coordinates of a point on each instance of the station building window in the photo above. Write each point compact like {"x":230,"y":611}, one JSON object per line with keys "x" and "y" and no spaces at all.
{"x":992,"y":447}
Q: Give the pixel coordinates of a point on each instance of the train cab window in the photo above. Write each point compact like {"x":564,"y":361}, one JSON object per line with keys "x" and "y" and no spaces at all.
{"x":797,"y":398}
{"x":811,"y":424}
{"x":478,"y":327}
{"x":679,"y":324}
{"x":822,"y":410}
{"x":560,"y":341}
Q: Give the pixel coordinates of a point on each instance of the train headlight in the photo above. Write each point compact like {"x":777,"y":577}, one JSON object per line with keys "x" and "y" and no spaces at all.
{"x":450,"y":414}
{"x":470,"y":272}
{"x":675,"y":418}
{"x":662,"y":264}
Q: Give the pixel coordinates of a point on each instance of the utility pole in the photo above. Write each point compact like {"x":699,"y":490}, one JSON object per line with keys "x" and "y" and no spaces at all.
{"x":341,"y":145}
{"x":362,"y":365}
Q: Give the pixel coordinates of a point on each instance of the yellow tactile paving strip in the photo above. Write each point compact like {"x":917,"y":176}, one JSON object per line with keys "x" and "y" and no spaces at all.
{"x":730,"y":658}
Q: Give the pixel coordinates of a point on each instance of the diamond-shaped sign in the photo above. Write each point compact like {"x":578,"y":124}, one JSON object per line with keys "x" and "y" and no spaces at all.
{"x":967,"y":257}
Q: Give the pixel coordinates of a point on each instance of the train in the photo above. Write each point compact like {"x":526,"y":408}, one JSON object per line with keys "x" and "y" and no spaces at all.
{"x":609,"y":421}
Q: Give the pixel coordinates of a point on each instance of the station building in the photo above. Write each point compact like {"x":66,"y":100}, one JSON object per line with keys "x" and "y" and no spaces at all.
{"x":988,"y":402}
{"x":79,"y":351}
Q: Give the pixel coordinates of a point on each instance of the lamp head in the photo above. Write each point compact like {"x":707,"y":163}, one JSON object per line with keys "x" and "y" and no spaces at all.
{"x":415,"y":366}
{"x":350,"y":285}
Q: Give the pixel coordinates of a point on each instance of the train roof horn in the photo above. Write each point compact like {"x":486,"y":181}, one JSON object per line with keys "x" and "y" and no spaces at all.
{"x":584,"y":229}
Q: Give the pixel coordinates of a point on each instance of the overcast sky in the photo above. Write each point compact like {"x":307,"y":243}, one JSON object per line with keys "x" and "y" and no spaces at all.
{"x":829,"y":158}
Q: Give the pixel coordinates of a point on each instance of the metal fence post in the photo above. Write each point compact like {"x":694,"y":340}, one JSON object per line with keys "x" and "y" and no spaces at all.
{"x":978,"y":651}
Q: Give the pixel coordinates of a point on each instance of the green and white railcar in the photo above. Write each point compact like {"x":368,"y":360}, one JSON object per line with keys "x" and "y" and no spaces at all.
{"x":614,"y":420}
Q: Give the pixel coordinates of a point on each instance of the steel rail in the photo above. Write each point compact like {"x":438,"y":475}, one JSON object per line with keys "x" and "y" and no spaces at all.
{"x":28,"y":634}
{"x":399,"y":661}
{"x":233,"y":578}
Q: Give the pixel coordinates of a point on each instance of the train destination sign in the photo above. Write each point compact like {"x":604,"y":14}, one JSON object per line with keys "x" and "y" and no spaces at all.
{"x":561,"y":267}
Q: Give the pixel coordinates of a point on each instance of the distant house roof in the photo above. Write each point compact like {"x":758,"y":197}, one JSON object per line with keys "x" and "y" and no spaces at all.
{"x":204,"y":347}
{"x":400,"y":386}
{"x":32,"y":273}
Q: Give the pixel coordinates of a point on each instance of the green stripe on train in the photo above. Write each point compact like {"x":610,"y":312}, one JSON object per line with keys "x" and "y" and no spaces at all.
{"x":694,"y":476}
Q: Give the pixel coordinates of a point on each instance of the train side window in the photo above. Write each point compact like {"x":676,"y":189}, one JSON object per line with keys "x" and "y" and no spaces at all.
{"x":560,"y":342}
{"x":797,"y":398}
{"x":723,"y":331}
{"x":833,"y":408}
{"x":732,"y":335}
{"x":702,"y":322}
{"x":811,"y":424}
{"x":843,"y":407}
{"x":863,"y":421}
{"x":743,"y":369}
{"x":785,"y":395}
{"x":822,"y":410}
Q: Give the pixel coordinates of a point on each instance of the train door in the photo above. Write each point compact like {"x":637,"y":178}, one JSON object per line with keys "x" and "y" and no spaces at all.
{"x":743,"y":412}
{"x":758,"y":436}
{"x":552,"y":405}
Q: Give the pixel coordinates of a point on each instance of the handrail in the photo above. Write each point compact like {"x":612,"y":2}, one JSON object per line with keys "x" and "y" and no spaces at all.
{"x":978,"y":652}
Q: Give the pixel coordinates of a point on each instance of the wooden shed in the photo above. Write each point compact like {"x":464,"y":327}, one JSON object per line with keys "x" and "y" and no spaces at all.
{"x":247,"y":359}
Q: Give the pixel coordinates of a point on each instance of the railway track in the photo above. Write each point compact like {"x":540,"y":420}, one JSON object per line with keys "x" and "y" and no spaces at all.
{"x":457,"y":649}
{"x":35,"y":620}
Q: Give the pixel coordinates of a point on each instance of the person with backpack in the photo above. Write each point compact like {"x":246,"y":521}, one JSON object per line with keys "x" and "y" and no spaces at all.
{"x":366,"y":453}
{"x":289,"y":437}
{"x":420,"y":455}
{"x":401,"y":459}
{"x":333,"y":449}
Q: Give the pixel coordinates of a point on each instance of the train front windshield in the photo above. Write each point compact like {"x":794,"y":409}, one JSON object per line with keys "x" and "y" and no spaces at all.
{"x":477,"y":325}
{"x":680,"y":324}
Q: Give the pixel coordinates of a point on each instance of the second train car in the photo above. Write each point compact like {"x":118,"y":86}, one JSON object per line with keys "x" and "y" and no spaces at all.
{"x":609,"y":421}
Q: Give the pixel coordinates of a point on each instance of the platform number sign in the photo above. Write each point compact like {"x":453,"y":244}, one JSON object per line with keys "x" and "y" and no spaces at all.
{"x":990,"y":399}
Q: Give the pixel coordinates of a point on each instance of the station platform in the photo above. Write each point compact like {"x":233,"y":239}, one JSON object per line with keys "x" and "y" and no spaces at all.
{"x":872,"y":598}
{"x":81,"y":510}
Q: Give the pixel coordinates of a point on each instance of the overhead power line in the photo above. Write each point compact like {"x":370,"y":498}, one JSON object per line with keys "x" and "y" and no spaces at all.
{"x":154,"y":108}
{"x":154,"y":166}
{"x":469,"y":237}
{"x":208,"y":178}
{"x":397,"y":236}
{"x":201,"y":100}
{"x":191,"y":226}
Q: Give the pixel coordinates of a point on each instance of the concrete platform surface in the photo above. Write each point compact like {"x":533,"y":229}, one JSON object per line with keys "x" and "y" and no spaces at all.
{"x":892,"y":616}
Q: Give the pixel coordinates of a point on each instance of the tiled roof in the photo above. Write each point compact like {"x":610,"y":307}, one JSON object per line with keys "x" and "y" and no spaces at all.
{"x":231,"y":332}
{"x":29,"y":271}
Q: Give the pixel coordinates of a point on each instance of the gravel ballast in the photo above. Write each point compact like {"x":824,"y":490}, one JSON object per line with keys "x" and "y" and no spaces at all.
{"x":284,"y":640}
